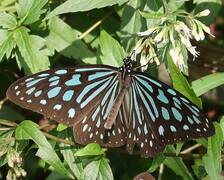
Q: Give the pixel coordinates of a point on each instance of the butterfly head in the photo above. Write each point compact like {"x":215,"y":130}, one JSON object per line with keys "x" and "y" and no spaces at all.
{"x":127,"y":66}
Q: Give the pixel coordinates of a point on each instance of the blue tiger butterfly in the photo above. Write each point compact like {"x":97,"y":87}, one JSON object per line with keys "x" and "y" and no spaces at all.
{"x":113,"y":106}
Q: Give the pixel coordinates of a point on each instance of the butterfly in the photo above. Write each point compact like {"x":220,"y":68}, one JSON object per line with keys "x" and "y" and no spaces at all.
{"x":113,"y":106}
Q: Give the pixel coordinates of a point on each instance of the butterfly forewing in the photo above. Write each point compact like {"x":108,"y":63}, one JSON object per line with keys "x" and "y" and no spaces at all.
{"x":65,"y":95}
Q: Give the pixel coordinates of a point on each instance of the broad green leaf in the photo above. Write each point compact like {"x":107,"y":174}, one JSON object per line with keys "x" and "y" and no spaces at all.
{"x":157,"y":161}
{"x":199,"y":171}
{"x":6,"y":45}
{"x":65,"y":40}
{"x":29,"y":130}
{"x":207,"y":83}
{"x":177,"y":164}
{"x":99,"y":170}
{"x":29,"y":11}
{"x":181,"y":84}
{"x":68,"y":153}
{"x":112,"y":52}
{"x":83,"y":5}
{"x":33,"y":60}
{"x":132,"y":23}
{"x":222,"y":125}
{"x":92,"y":149}
{"x":212,"y":160}
{"x":7,"y":21}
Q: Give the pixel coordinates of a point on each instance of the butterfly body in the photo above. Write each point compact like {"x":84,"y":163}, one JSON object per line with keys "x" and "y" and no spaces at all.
{"x":113,"y":106}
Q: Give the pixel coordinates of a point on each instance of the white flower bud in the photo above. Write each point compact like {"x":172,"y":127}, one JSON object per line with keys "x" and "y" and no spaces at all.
{"x":206,"y":12}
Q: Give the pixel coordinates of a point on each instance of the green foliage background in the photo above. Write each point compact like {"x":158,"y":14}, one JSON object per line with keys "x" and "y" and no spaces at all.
{"x":36,"y":35}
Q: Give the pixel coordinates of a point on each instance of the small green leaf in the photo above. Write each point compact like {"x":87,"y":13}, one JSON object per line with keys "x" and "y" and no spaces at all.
{"x":65,"y":40}
{"x":212,"y":160}
{"x":7,"y":44}
{"x":207,"y":83}
{"x":112,"y":52}
{"x":68,"y":153}
{"x":83,"y":5}
{"x":151,"y":15}
{"x":177,"y":164}
{"x":157,"y":161}
{"x":181,"y":84}
{"x":92,"y":149}
{"x":33,"y":60}
{"x":222,"y":125}
{"x":99,"y":170}
{"x":7,"y":21}
{"x":179,"y":147}
{"x":29,"y":11}
{"x":61,"y":127}
{"x":29,"y":130}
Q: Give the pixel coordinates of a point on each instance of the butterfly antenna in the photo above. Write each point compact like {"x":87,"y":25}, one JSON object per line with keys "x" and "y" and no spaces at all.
{"x":144,"y":64}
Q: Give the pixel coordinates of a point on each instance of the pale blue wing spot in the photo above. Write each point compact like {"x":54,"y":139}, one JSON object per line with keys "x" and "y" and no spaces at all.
{"x":177,"y":103}
{"x":162,"y":97}
{"x":161,"y":130}
{"x":98,"y":75}
{"x":71,"y":113}
{"x":186,"y":127}
{"x":57,"y":106}
{"x":198,"y":130}
{"x":196,"y":119}
{"x":68,"y":95}
{"x":43,"y":102}
{"x":29,"y":91}
{"x":145,"y":129}
{"x":176,"y":114}
{"x":54,"y":78}
{"x":38,"y":93}
{"x":145,"y":102}
{"x":91,"y":69}
{"x":74,"y":81}
{"x":95,"y":113}
{"x":33,"y":82}
{"x":108,"y":93}
{"x":16,"y":87}
{"x":29,"y":79}
{"x":190,"y":120}
{"x":184,"y":99}
{"x":137,"y":109}
{"x":93,"y":95}
{"x":53,"y":92}
{"x":165,"y":113}
{"x":54,"y":83}
{"x":151,"y":80}
{"x":173,"y":129}
{"x":195,"y":108}
{"x":29,"y":101}
{"x":98,"y":122}
{"x":89,"y":88}
{"x":62,"y":71}
{"x":145,"y":83}
{"x":43,"y":75}
{"x":191,"y":109}
{"x":171,"y":91}
{"x":85,"y":127}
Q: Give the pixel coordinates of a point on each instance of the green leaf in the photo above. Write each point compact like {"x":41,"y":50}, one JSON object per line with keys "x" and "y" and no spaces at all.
{"x":29,"y":130}
{"x":6,"y":45}
{"x":207,"y":83}
{"x":65,"y":40}
{"x":99,"y":170}
{"x":181,"y":84}
{"x":212,"y":160}
{"x":61,"y":127}
{"x":68,"y":153}
{"x":177,"y":164}
{"x":112,"y":52}
{"x":29,"y":11}
{"x":91,"y":149}
{"x":33,"y":60}
{"x":157,"y":161}
{"x":83,"y":5}
{"x":222,"y":125}
{"x":131,"y":23}
{"x":151,"y":15}
{"x":7,"y":21}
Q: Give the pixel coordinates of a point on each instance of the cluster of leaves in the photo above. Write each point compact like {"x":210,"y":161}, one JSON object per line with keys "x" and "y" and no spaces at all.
{"x":34,"y":36}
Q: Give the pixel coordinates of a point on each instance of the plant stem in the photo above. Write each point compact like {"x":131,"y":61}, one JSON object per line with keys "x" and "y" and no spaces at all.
{"x":188,"y":150}
{"x":94,"y":26}
{"x":165,"y":5}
